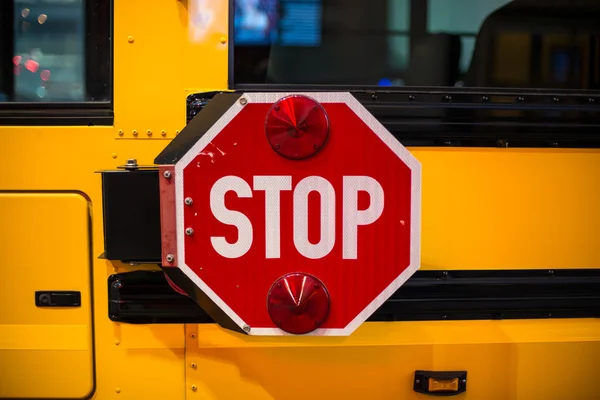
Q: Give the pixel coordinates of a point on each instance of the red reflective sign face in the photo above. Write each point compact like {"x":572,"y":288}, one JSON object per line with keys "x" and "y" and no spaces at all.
{"x":347,"y":215}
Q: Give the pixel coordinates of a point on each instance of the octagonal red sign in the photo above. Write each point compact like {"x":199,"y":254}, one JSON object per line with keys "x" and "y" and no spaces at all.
{"x":315,"y":186}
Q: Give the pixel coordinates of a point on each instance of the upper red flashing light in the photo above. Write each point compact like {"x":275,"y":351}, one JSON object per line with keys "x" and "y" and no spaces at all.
{"x":297,"y":127}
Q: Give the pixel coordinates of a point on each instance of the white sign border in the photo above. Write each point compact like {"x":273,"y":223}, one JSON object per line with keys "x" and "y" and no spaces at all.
{"x":382,"y":133}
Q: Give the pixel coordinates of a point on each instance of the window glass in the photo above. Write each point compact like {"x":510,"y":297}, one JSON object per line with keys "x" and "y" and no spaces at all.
{"x":46,"y":59}
{"x":478,"y":43}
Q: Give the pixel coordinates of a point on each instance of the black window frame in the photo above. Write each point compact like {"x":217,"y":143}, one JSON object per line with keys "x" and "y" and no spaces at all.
{"x":418,"y":15}
{"x":99,"y":21}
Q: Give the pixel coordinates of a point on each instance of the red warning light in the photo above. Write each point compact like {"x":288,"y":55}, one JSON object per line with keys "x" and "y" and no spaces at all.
{"x":298,"y":303}
{"x":45,"y":75}
{"x":32,"y":66}
{"x":297,"y":127}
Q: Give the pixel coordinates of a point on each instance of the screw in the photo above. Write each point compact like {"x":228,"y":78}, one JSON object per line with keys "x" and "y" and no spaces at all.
{"x":118,"y":390}
{"x":246,"y":328}
{"x":194,"y":388}
{"x":223,"y":40}
{"x":418,"y":381}
{"x":163,"y":133}
{"x":193,"y":335}
{"x":135,"y":132}
{"x":167,"y":174}
{"x":189,"y":231}
{"x":149,"y":132}
{"x":243,"y":101}
{"x":193,"y":365}
{"x":114,"y":155}
{"x":188,"y":201}
{"x":170,"y":257}
{"x":117,"y":342}
{"x":464,"y":381}
{"x":120,"y":132}
{"x":131,"y":39}
{"x":131,"y":164}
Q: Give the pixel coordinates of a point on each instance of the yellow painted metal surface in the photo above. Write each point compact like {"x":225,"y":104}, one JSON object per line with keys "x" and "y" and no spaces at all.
{"x":504,"y":360}
{"x":44,"y":347}
{"x":482,"y":208}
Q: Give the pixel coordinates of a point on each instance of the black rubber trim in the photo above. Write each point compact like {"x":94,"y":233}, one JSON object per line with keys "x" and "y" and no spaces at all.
{"x":146,"y":297}
{"x":469,"y":118}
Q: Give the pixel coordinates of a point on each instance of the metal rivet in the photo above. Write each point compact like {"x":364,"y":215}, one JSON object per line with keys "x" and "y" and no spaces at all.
{"x":223,"y":40}
{"x":120,"y":132}
{"x":243,"y":101}
{"x":163,"y":133}
{"x":149,"y":132}
{"x":193,"y":335}
{"x":194,"y":388}
{"x":176,"y":132}
{"x":114,"y":155}
{"x":135,"y":132}
{"x":193,"y":365}
{"x":188,"y":201}
{"x":167,"y":174}
{"x":246,"y":328}
{"x":117,"y":342}
{"x":464,"y":381}
{"x":418,"y":381}
{"x":170,"y":257}
{"x":189,"y":231}
{"x":131,"y":39}
{"x":118,"y":390}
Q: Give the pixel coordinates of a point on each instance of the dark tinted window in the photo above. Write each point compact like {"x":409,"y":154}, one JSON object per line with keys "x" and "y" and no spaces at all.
{"x":493,"y":43}
{"x":55,"y":51}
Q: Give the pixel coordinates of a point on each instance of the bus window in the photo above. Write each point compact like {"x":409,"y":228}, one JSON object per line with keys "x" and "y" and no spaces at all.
{"x":54,"y":51}
{"x":551,"y":44}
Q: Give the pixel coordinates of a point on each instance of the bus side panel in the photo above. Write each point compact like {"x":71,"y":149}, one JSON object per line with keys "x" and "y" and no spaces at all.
{"x":504,"y":360}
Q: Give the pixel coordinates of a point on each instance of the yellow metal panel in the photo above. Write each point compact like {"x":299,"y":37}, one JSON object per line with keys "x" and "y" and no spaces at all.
{"x":44,"y":352}
{"x":162,"y":52}
{"x":510,"y":208}
{"x":517,"y":360}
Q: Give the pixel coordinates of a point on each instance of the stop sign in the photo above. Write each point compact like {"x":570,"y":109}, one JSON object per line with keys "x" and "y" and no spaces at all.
{"x":292,"y":213}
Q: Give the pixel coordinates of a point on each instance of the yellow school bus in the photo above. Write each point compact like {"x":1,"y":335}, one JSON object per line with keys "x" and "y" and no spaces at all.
{"x":499,"y":101}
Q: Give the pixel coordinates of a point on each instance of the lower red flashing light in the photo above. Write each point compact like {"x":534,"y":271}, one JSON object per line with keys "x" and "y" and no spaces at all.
{"x":298,"y":303}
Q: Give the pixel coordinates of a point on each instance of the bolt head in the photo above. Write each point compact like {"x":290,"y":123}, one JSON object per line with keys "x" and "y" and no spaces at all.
{"x":194,"y":388}
{"x":189,"y":231}
{"x":167,"y":174}
{"x":170,"y":257}
{"x":189,"y":201}
{"x":243,"y":101}
{"x":246,"y":328}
